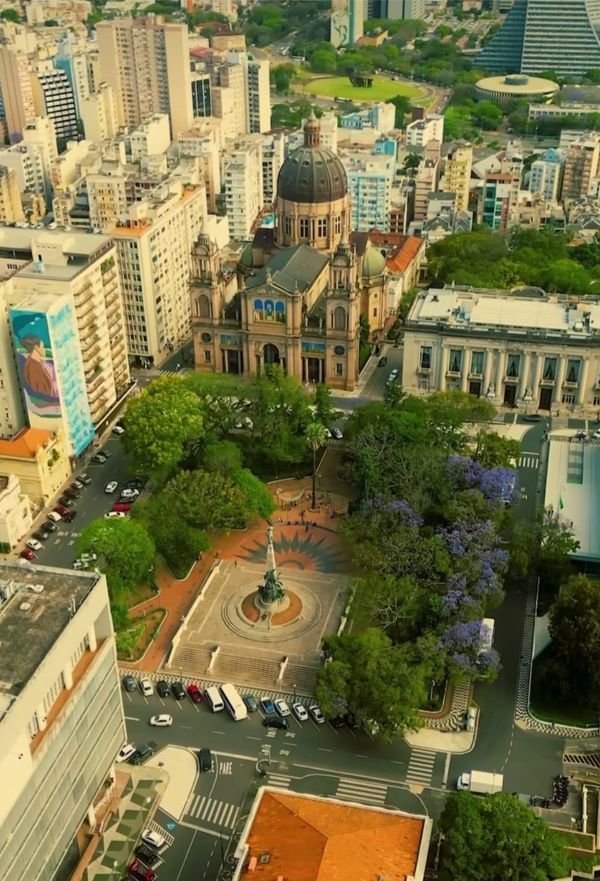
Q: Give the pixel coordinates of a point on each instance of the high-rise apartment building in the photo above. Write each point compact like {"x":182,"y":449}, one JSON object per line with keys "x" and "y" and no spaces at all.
{"x":497,"y":200}
{"x":258,"y":95}
{"x":347,"y":19}
{"x":457,"y":174}
{"x":370,"y":181}
{"x":33,"y":157}
{"x":427,"y":179}
{"x":11,"y":207}
{"x":17,"y":91}
{"x":53,"y":97}
{"x":421,"y":131}
{"x":201,"y":95}
{"x":546,"y":173}
{"x":582,"y":165}
{"x":98,"y":114}
{"x":403,"y":9}
{"x":538,"y":35}
{"x":74,"y":62}
{"x":243,"y":189}
{"x":146,"y":63}
{"x":61,"y":715}
{"x":154,"y":244}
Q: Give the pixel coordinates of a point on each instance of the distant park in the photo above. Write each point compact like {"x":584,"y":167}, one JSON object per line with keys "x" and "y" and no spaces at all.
{"x":382,"y":89}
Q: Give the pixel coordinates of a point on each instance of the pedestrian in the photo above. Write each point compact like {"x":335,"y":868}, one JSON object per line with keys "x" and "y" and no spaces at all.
{"x":306,"y":527}
{"x":235,"y":563}
{"x":177,"y":366}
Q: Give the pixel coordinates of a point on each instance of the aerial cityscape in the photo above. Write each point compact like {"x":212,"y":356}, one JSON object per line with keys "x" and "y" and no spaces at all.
{"x":300,"y":440}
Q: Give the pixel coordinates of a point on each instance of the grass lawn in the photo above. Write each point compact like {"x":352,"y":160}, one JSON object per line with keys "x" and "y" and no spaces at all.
{"x":580,"y":852}
{"x":133,"y":641}
{"x":341,"y":87}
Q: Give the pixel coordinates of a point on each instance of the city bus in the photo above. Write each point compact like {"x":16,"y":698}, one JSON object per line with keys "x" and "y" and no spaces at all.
{"x":233,"y":702}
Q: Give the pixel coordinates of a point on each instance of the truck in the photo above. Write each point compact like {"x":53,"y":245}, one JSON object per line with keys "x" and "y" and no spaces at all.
{"x":480,"y":782}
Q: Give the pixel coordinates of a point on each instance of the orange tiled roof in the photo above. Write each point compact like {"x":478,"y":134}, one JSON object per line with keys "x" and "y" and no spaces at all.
{"x":313,"y":839}
{"x":25,"y":444}
{"x":402,"y":257}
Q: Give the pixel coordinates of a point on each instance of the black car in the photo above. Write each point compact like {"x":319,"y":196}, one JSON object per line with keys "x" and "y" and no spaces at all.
{"x":178,"y":691}
{"x":251,"y":703}
{"x":162,"y":688}
{"x":143,"y":752}
{"x":40,"y":534}
{"x":129,"y":683}
{"x":275,"y":722}
{"x":205,"y":760}
{"x":134,"y":483}
{"x":382,"y":361}
{"x":72,"y":492}
{"x":68,"y":503}
{"x":98,"y":458}
{"x":146,"y":855}
{"x":85,"y":479}
{"x":49,"y":526}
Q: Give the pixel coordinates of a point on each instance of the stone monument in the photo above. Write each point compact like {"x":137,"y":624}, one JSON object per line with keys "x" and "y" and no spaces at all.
{"x":271,"y":593}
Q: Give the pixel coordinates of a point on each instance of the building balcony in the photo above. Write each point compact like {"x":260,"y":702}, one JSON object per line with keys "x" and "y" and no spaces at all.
{"x":424,"y":371}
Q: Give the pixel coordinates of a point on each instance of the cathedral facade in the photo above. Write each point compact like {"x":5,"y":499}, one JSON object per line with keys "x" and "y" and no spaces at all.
{"x":299,"y":290}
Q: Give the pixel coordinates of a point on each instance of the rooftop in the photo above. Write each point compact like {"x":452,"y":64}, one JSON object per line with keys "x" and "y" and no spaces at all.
{"x":517,"y":84}
{"x":477,"y":311}
{"x":26,"y":443}
{"x":31,"y":620}
{"x":291,"y":269}
{"x":309,"y":838}
{"x":573,"y":489}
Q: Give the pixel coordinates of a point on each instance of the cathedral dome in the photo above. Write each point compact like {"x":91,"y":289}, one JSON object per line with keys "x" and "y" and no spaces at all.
{"x":312,"y":173}
{"x":373,"y":263}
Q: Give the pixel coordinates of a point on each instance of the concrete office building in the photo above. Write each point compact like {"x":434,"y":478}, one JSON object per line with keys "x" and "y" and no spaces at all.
{"x":17,"y":91}
{"x":154,"y":245}
{"x":347,"y":19}
{"x":11,"y":207}
{"x":201,"y":94}
{"x":158,"y":80}
{"x":538,"y":35}
{"x":427,"y":179}
{"x":61,"y":715}
{"x":529,"y":352}
{"x":582,"y":166}
{"x":53,"y":97}
{"x":515,"y":87}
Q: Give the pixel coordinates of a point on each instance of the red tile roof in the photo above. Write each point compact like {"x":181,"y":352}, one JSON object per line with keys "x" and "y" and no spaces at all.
{"x":400,"y":259}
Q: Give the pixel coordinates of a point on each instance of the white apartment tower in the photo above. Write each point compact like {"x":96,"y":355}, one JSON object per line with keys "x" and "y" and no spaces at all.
{"x":61,"y":713}
{"x":98,"y":114}
{"x":146,"y":63}
{"x":154,"y":245}
{"x":258,"y":95}
{"x":244,"y":190}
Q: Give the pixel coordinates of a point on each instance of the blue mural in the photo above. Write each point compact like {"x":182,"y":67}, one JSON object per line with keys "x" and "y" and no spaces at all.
{"x":269,"y":310}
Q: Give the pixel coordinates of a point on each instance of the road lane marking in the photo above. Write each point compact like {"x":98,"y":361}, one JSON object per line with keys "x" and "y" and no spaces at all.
{"x":324,"y":749}
{"x":359,"y":756}
{"x":132,"y":718}
{"x":236,"y":756}
{"x":249,"y":737}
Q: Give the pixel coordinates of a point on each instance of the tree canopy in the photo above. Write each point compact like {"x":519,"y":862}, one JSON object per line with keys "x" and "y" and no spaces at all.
{"x":124,"y":550}
{"x":497,"y":838}
{"x":575,"y":631}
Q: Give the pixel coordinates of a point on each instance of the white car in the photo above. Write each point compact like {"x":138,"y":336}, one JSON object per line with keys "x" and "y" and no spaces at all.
{"x":118,"y":430}
{"x":153,"y":839}
{"x":300,"y":712}
{"x":34,"y":544}
{"x":79,"y":564}
{"x":393,"y":376}
{"x":126,"y":753}
{"x":337,"y":433}
{"x":54,"y":516}
{"x":88,"y":557}
{"x":130,"y":493}
{"x":116,"y":514}
{"x":316,"y":714}
{"x":111,"y":487}
{"x":146,"y":687}
{"x":282,"y":707}
{"x":162,"y":721}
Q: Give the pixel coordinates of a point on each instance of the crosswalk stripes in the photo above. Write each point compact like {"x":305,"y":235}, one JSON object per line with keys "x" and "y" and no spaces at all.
{"x":420,"y":767}
{"x":281,"y":781}
{"x":367,"y":791}
{"x":529,"y":460}
{"x":213,"y":812}
{"x":169,"y":839}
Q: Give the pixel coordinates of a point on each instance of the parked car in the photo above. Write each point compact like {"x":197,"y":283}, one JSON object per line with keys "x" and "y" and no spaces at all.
{"x":116,"y":514}
{"x":299,"y":711}
{"x":88,"y":557}
{"x":267,"y":705}
{"x":85,"y":479}
{"x":143,"y":753}
{"x":316,"y":715}
{"x":40,"y":534}
{"x":49,"y":526}
{"x":71,"y":493}
{"x":118,"y":430}
{"x":162,"y":688}
{"x":129,"y":683}
{"x":126,"y":753}
{"x":251,"y":703}
{"x":111,"y":486}
{"x":146,"y":687}
{"x":122,"y":507}
{"x":393,"y":376}
{"x":66,"y":502}
{"x":27,"y":554}
{"x":79,"y":564}
{"x":54,"y":516}
{"x":64,"y":512}
{"x":77,"y":484}
{"x":140,"y":872}
{"x":382,"y":361}
{"x":153,"y":839}
{"x":195,"y":693}
{"x":205,"y":760}
{"x":337,"y":433}
{"x":130,"y":493}
{"x":178,"y":691}
{"x":34,"y":544}
{"x":327,"y":433}
{"x":98,"y":458}
{"x":282,"y":707}
{"x":105,"y":453}
{"x":163,"y":720}
{"x":146,"y":855}
{"x":275,"y":722}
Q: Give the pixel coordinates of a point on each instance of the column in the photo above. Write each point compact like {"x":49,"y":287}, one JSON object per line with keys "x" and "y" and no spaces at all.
{"x":500,"y":372}
{"x":487,"y":370}
{"x":67,"y":673}
{"x":583,"y":380}
{"x":525,"y":369}
{"x":41,"y":717}
{"x":560,"y":375}
{"x":91,"y":817}
{"x":466,"y":366}
{"x":537,"y":375}
{"x":444,"y":355}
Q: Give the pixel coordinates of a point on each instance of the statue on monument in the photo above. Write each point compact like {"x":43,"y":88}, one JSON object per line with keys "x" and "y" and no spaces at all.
{"x":271,"y":590}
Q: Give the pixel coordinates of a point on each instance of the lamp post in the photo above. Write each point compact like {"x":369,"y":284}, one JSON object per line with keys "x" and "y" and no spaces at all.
{"x":294,"y":687}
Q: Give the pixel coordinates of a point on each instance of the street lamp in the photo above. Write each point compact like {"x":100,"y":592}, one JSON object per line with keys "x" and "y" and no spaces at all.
{"x":294,"y":687}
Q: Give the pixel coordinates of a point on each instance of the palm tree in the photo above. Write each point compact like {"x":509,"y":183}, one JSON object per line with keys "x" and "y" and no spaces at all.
{"x":315,"y":438}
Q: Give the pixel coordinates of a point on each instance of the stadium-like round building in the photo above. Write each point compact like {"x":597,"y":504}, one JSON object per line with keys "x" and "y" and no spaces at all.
{"x":515,"y":87}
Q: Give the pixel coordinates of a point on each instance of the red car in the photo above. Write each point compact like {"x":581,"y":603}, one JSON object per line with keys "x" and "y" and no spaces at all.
{"x":27,"y":554}
{"x":138,"y":870}
{"x":194,"y":693}
{"x":123,"y":507}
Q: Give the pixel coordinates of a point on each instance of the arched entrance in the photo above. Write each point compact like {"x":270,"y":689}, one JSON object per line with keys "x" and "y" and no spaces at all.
{"x":271,"y":354}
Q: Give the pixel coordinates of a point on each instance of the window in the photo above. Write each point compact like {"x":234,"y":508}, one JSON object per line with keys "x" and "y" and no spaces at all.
{"x":568,"y":398}
{"x":549,"y":373}
{"x":339,"y":369}
{"x":338,"y":224}
{"x":512,"y":366}
{"x":425,"y":358}
{"x":322,"y":227}
{"x":455,"y":363}
{"x":207,"y":356}
{"x":304,"y":227}
{"x":477,"y":363}
{"x":596,"y":400}
{"x":203,"y":306}
{"x":288,"y":226}
{"x":573,"y":368}
{"x":424,"y":385}
{"x":339,"y":318}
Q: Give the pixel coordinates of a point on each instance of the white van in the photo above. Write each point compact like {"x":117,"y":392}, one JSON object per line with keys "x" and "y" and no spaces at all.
{"x":214,"y":699}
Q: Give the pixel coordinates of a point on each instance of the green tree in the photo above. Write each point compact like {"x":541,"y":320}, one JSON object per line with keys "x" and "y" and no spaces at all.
{"x":543,"y":546}
{"x":10,"y":15}
{"x":487,"y":115}
{"x":495,"y":451}
{"x":575,"y":630}
{"x":380,"y":685}
{"x":393,"y":394}
{"x":124,"y":550}
{"x":411,"y":162}
{"x":257,"y":498}
{"x":315,"y":438}
{"x":176,"y":541}
{"x":206,"y":501}
{"x":159,"y":423}
{"x":496,"y":838}
{"x":403,"y":108}
{"x":323,"y":406}
{"x":222,"y":456}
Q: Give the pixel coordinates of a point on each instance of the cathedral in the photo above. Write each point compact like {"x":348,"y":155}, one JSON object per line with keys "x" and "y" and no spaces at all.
{"x":299,"y":289}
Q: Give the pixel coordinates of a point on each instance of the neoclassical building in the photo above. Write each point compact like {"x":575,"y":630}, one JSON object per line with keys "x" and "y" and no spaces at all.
{"x":299,"y":289}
